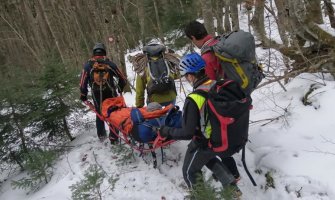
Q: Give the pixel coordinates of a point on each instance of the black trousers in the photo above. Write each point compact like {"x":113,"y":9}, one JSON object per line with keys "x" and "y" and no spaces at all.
{"x":98,"y":98}
{"x":229,"y":162}
{"x":196,"y":158}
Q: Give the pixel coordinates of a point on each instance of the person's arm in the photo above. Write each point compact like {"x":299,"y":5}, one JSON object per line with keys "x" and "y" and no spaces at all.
{"x":190,"y":123}
{"x":84,"y":79}
{"x":213,"y":67}
{"x":122,"y":79}
{"x":140,"y":88}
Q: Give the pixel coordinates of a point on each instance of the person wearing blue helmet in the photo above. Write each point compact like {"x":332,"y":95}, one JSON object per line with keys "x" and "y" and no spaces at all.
{"x":198,"y":154}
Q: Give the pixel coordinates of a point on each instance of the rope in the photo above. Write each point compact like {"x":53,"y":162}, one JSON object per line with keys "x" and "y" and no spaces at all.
{"x":140,"y":62}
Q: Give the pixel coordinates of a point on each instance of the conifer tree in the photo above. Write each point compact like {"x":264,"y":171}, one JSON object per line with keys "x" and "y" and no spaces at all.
{"x":58,"y":100}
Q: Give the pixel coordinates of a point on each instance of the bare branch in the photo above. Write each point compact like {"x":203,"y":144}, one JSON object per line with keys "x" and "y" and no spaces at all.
{"x":23,"y":40}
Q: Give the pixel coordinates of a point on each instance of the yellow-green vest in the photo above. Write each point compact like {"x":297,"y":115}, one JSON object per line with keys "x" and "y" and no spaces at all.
{"x":205,"y":125}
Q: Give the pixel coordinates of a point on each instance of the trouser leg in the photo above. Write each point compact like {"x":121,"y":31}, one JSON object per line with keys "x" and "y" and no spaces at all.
{"x":230,"y":163}
{"x":100,"y":124}
{"x":112,"y":137}
{"x":192,"y":168}
{"x":222,"y":173}
{"x":195,"y":159}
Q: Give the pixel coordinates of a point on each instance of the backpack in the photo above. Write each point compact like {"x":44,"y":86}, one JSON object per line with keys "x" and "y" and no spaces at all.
{"x":226,"y":111}
{"x":158,"y":70}
{"x":226,"y":114}
{"x":236,"y":52}
{"x":142,"y":130}
{"x":100,"y":75}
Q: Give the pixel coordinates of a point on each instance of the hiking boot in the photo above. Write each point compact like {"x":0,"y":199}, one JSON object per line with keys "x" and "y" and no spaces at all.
{"x":232,"y":192}
{"x":113,"y":141}
{"x":215,"y":178}
{"x":237,"y":179}
{"x":102,"y":138}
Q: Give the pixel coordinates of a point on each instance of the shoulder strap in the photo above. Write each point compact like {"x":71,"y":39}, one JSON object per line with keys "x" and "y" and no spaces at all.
{"x":205,"y":48}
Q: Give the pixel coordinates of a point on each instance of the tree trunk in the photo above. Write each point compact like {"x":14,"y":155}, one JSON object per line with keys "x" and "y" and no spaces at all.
{"x":234,"y":15}
{"x":141,"y":16}
{"x":52,"y":31}
{"x":20,"y":130}
{"x":24,"y":41}
{"x":207,"y":14}
{"x":219,"y":17}
{"x":158,"y":22}
{"x":227,"y":25}
{"x":282,"y":22}
{"x":314,"y":13}
{"x":330,"y":12}
{"x":67,"y":130}
{"x":121,"y":41}
{"x":257,"y":21}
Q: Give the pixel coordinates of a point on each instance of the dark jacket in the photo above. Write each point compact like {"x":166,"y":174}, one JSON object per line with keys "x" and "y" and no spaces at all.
{"x":86,"y":78}
{"x":190,"y":122}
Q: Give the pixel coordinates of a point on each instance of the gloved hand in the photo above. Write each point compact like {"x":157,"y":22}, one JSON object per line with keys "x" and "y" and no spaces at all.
{"x":83,"y":97}
{"x":155,"y":129}
{"x":163,"y":132}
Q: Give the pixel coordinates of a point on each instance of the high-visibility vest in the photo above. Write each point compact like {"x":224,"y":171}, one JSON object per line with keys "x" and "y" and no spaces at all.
{"x":205,"y":126}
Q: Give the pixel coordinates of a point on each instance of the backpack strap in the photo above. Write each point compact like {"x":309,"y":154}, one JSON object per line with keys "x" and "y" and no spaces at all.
{"x":246,"y":168}
{"x":205,"y":48}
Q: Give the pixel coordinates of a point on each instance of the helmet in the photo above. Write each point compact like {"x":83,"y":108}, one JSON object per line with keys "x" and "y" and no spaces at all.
{"x":191,"y":63}
{"x":99,"y":49}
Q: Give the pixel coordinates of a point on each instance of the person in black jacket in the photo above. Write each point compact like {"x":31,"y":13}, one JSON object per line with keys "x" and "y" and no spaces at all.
{"x":105,"y":80}
{"x":198,"y":153}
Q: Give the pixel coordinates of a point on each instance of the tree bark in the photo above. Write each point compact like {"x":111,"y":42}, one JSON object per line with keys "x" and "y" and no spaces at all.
{"x":219,"y":17}
{"x":207,"y":14}
{"x":19,"y":129}
{"x":257,"y":21}
{"x":314,"y":13}
{"x":227,"y":25}
{"x":67,"y":130}
{"x":330,"y":12}
{"x":158,"y":22}
{"x":141,"y":16}
{"x":52,"y":31}
{"x":234,"y":15}
{"x":282,"y":20}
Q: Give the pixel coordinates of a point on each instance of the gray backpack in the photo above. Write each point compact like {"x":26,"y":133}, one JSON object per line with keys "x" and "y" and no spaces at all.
{"x":160,"y":79}
{"x":237,"y":55}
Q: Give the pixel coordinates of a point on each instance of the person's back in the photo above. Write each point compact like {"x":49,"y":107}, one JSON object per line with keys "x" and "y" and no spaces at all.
{"x":157,"y":79}
{"x":105,"y":80}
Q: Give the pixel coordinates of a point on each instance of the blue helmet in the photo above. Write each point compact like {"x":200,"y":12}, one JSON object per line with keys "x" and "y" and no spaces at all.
{"x":191,"y":63}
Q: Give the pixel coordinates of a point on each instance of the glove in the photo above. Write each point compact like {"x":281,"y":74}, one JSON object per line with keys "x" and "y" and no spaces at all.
{"x":163,"y":132}
{"x":155,"y":129}
{"x":83,"y":97}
